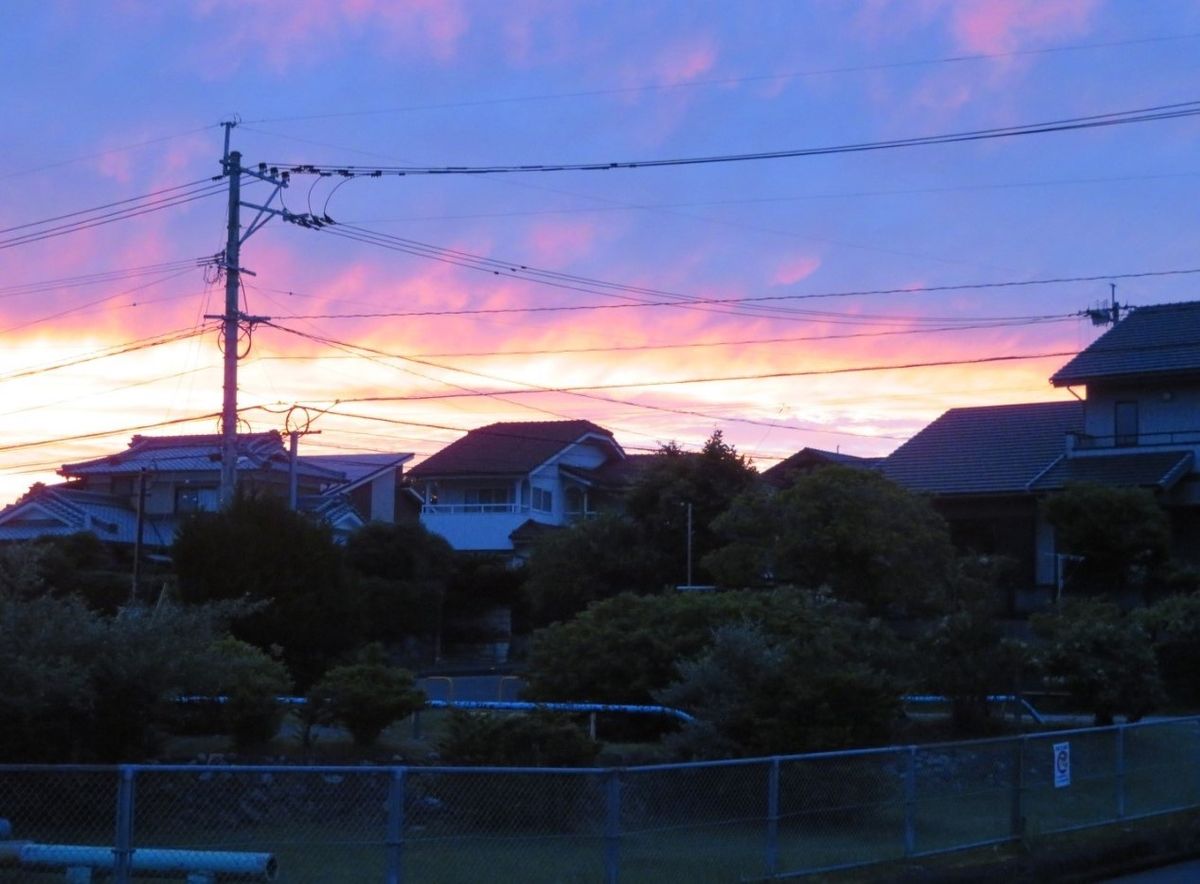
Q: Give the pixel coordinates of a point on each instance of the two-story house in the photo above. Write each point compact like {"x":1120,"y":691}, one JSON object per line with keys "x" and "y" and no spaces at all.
{"x":1136,"y":424}
{"x":157,"y":481}
{"x":497,"y":487}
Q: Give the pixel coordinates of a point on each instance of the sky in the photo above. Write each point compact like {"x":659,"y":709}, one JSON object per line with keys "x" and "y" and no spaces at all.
{"x":662,"y":302}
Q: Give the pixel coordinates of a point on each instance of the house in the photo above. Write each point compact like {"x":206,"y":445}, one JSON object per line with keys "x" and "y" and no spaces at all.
{"x":167,"y":478}
{"x":500,"y":486}
{"x":804,"y":461}
{"x":1136,"y":424}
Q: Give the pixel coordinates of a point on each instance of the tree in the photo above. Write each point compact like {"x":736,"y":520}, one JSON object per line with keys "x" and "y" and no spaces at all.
{"x":1121,"y":534}
{"x":586,"y":562}
{"x":251,"y":681}
{"x":1173,"y":625}
{"x":758,"y":694}
{"x":965,"y":655}
{"x":658,"y":502}
{"x":399,"y":574}
{"x":366,"y":697}
{"x":1102,"y":657}
{"x":865,"y":538}
{"x":625,"y":649}
{"x":84,"y":686}
{"x":260,"y":550}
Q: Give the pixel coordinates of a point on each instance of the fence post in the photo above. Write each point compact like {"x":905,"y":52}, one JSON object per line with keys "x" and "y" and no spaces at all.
{"x":772,"y":859}
{"x":395,"y":828}
{"x":910,"y":803}
{"x":1120,"y":738}
{"x":123,"y":838}
{"x":612,"y":826}
{"x":1017,"y":779}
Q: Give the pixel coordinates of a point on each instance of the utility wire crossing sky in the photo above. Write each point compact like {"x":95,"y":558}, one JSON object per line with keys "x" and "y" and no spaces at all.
{"x":802,"y":224}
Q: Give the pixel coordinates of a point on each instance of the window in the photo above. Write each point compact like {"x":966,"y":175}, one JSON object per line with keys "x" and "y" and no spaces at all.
{"x":1126,"y":423}
{"x":196,"y":499}
{"x":543,"y":500}
{"x":489,"y":500}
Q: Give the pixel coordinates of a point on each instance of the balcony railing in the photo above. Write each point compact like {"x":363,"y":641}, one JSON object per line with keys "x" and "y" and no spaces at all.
{"x":463,"y":509}
{"x":1086,"y":442}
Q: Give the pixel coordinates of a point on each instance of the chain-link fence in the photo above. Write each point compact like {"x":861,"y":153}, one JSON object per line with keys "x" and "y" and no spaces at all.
{"x":722,"y":821}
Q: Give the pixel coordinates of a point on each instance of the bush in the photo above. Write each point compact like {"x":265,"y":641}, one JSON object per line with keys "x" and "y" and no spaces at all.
{"x":251,"y":681}
{"x":365,"y":698}
{"x":541,"y":739}
{"x":1173,"y":626}
{"x":1103,"y":658}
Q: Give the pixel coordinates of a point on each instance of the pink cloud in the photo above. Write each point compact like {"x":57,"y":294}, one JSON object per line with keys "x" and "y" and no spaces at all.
{"x":989,"y":26}
{"x":288,"y":33}
{"x":561,"y":241}
{"x":795,"y":269}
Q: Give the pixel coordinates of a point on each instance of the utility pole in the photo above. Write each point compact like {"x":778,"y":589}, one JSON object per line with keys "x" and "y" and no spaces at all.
{"x":135,"y":589}
{"x":689,"y":544}
{"x":229,"y":329}
{"x":233,"y":318}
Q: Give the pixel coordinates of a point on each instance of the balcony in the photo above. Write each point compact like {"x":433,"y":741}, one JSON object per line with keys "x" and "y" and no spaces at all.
{"x":1084,"y":442}
{"x":471,"y":509}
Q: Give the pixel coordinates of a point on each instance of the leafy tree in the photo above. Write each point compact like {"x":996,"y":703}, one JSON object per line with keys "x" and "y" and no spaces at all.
{"x":251,"y":681}
{"x":366,"y":697}
{"x":756,"y":694}
{"x":1122,"y":535}
{"x":865,"y":538}
{"x":541,"y":739}
{"x":658,"y":502}
{"x":1173,"y":625}
{"x":83,"y":686}
{"x":260,"y":550}
{"x":399,"y":574}
{"x":586,"y":562}
{"x":625,"y":649}
{"x":965,"y":655}
{"x":1103,"y":658}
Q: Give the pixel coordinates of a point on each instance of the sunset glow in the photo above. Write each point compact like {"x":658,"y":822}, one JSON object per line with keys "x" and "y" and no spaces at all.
{"x":756,"y":297}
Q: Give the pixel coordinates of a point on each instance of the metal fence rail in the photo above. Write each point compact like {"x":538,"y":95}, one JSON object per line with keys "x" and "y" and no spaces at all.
{"x":738,"y":820}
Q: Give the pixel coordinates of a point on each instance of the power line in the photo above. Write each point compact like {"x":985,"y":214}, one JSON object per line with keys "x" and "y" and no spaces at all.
{"x":590,"y":285}
{"x":830,"y":195}
{"x":778,"y":375}
{"x":524,"y":387}
{"x":1115,"y":118}
{"x":94,"y":209}
{"x":99,"y":277}
{"x":81,"y":308}
{"x":142,"y":207}
{"x":693,"y":345}
{"x":104,"y":153}
{"x":117,"y":350}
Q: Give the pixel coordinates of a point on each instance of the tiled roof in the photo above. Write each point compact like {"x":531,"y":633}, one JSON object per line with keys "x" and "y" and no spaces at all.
{"x":508,"y":448}
{"x":357,"y":468}
{"x":989,"y":450}
{"x":806,"y":459}
{"x":1160,"y":469}
{"x":61,"y":510}
{"x":614,"y":475}
{"x":1150,"y":341}
{"x":201,"y":453}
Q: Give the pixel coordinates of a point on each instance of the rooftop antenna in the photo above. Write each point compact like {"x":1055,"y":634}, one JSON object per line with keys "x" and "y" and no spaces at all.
{"x":1101,"y":315}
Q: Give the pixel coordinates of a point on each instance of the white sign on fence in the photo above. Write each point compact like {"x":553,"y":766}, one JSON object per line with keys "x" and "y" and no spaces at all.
{"x":1062,"y":765}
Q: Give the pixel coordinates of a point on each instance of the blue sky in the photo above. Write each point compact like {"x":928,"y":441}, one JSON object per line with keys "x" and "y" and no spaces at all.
{"x":108,"y":101}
